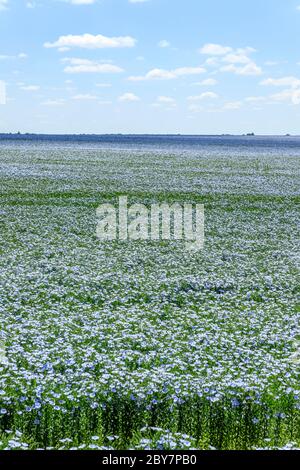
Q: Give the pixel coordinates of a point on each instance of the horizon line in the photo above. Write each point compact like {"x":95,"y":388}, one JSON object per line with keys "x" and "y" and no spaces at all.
{"x":249,"y":134}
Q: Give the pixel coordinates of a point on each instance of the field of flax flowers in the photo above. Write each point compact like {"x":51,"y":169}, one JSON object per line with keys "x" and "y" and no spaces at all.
{"x":144,"y":345}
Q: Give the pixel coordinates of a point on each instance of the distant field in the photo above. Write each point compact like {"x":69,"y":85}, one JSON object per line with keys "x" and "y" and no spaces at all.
{"x":143,"y":344}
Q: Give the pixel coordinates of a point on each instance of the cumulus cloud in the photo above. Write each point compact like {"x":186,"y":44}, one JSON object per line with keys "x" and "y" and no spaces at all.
{"x":249,"y":69}
{"x":291,"y":81}
{"x":212,"y":61}
{"x":203,"y":96}
{"x":207,"y":82}
{"x":128,"y":97}
{"x":183,"y":71}
{"x":289,"y":95}
{"x":215,"y":49}
{"x":90,"y":41}
{"x":93,"y":68}
{"x":237,"y":60}
{"x":162,"y":74}
{"x":21,"y":55}
{"x":77,"y":65}
{"x":164,"y":43}
{"x":84,"y":97}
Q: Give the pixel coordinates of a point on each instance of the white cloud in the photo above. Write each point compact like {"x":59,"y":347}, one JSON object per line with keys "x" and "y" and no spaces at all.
{"x":289,"y":95}
{"x":238,"y":60}
{"x":77,"y":65}
{"x":183,"y":71}
{"x":164,"y":43}
{"x":93,"y":68}
{"x":3,"y":5}
{"x":215,"y":49}
{"x":58,"y":102}
{"x":154,"y":75}
{"x":162,"y":74}
{"x":166,"y":100}
{"x":81,"y":2}
{"x":22,"y":55}
{"x":249,"y":69}
{"x":234,"y":58}
{"x":90,"y":41}
{"x":128,"y":97}
{"x":207,"y":82}
{"x":232,"y":105}
{"x":211,"y":61}
{"x":291,"y":81}
{"x":84,"y":97}
{"x":30,"y":87}
{"x":30,"y":4}
{"x":203,"y":96}
{"x":298,"y":7}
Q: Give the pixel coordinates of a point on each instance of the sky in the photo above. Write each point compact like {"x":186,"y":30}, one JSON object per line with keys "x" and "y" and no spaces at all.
{"x":150,"y":66}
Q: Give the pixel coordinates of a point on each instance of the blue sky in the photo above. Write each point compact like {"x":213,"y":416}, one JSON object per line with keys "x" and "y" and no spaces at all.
{"x":152,"y":66}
